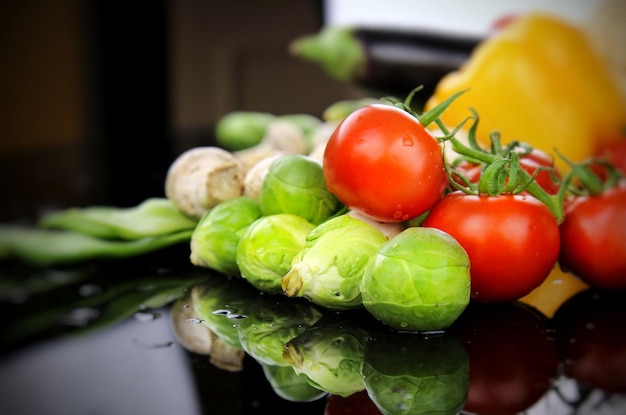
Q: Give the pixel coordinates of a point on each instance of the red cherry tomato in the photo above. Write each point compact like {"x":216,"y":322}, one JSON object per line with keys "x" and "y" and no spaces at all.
{"x":613,"y":152}
{"x":593,"y":238}
{"x":382,"y":162}
{"x":512,"y":354}
{"x":512,"y":241}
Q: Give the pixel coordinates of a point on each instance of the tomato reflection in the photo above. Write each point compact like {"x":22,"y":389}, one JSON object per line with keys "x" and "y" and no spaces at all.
{"x":591,"y":339}
{"x":512,"y":355}
{"x":356,"y":404}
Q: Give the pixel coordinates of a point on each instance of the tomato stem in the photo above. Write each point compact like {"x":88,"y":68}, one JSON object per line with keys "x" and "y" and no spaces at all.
{"x":502,"y":172}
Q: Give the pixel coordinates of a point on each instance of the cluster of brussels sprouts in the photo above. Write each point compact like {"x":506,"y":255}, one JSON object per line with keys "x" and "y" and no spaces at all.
{"x":297,"y":239}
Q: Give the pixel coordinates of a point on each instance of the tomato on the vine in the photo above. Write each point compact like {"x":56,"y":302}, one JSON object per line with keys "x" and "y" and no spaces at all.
{"x":593,"y":238}
{"x":382,"y":162}
{"x":512,"y":241}
{"x":534,"y":161}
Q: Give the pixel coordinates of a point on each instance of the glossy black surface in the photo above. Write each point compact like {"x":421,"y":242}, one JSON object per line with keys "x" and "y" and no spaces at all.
{"x":99,"y":338}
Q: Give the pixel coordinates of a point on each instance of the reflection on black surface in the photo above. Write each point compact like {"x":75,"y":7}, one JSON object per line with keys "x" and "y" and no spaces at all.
{"x":512,"y":357}
{"x":495,"y":359}
{"x":591,"y":339}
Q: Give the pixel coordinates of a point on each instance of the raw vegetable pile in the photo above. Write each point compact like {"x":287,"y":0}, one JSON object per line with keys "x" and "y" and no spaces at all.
{"x":408,"y":215}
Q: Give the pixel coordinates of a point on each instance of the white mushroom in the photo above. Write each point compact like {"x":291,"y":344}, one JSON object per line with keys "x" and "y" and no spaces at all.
{"x":202,"y":177}
{"x":253,"y":181}
{"x":281,"y":137}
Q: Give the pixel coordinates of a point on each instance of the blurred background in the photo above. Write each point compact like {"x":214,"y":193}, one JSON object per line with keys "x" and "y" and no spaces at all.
{"x":98,"y":97}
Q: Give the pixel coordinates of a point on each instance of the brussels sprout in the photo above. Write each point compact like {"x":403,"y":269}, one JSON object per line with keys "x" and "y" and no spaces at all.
{"x":242,"y":129}
{"x":267,"y":247}
{"x":291,"y":386}
{"x":270,"y":323}
{"x":412,"y":374}
{"x":295,"y":184}
{"x":214,"y":240}
{"x":328,"y":270}
{"x":330,"y":353}
{"x":418,"y":281}
{"x":221,"y":303}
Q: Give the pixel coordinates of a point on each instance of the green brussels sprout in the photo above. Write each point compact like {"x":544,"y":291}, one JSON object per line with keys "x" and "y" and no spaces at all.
{"x":267,"y":247}
{"x":214,"y":240}
{"x":221,"y":303}
{"x":238,"y":130}
{"x":328,"y":270}
{"x":339,"y":110}
{"x":295,"y":184}
{"x":270,"y":323}
{"x":407,"y":373}
{"x":290,"y":385}
{"x":330,"y":353}
{"x":418,"y":281}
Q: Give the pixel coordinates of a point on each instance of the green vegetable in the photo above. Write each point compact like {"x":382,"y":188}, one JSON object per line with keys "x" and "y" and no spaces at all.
{"x":418,"y":281}
{"x":336,"y":49}
{"x":272,"y":322}
{"x":221,"y":303}
{"x":413,"y":374}
{"x":214,"y":240}
{"x":330,"y":353}
{"x":55,"y":247}
{"x":339,"y":110}
{"x":267,"y":247}
{"x":153,"y":217}
{"x":238,"y":130}
{"x":295,"y":184}
{"x":291,"y":386}
{"x":329,"y":269}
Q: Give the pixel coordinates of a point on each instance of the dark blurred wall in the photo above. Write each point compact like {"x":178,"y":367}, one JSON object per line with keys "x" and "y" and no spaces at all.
{"x":98,"y":97}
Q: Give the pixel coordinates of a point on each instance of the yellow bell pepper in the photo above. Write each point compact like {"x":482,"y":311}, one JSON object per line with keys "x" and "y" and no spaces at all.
{"x":540,"y":81}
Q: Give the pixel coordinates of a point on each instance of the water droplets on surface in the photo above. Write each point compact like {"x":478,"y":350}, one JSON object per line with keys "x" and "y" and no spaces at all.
{"x":86,"y":290}
{"x":146,"y":316}
{"x":80,"y":317}
{"x":228,"y":314}
{"x":407,"y":141}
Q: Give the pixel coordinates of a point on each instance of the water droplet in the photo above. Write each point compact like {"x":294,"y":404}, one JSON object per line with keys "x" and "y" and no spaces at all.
{"x":361,"y":141}
{"x":79,"y":317}
{"x":146,"y":317}
{"x":88,"y":289}
{"x":407,"y":141}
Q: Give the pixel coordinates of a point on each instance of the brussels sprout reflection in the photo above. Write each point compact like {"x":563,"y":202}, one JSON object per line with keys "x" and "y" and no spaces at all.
{"x":408,"y":373}
{"x":221,"y":303}
{"x":295,"y":184}
{"x":214,"y":240}
{"x":329,"y":269}
{"x":267,"y":247}
{"x":290,"y":385}
{"x":418,"y":281}
{"x":330,"y":354}
{"x":271,"y":321}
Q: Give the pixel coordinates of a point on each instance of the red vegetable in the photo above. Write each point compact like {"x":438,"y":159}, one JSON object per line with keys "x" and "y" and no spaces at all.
{"x":382,"y":162}
{"x":512,"y":241}
{"x":593,"y":238}
{"x":358,"y":403}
